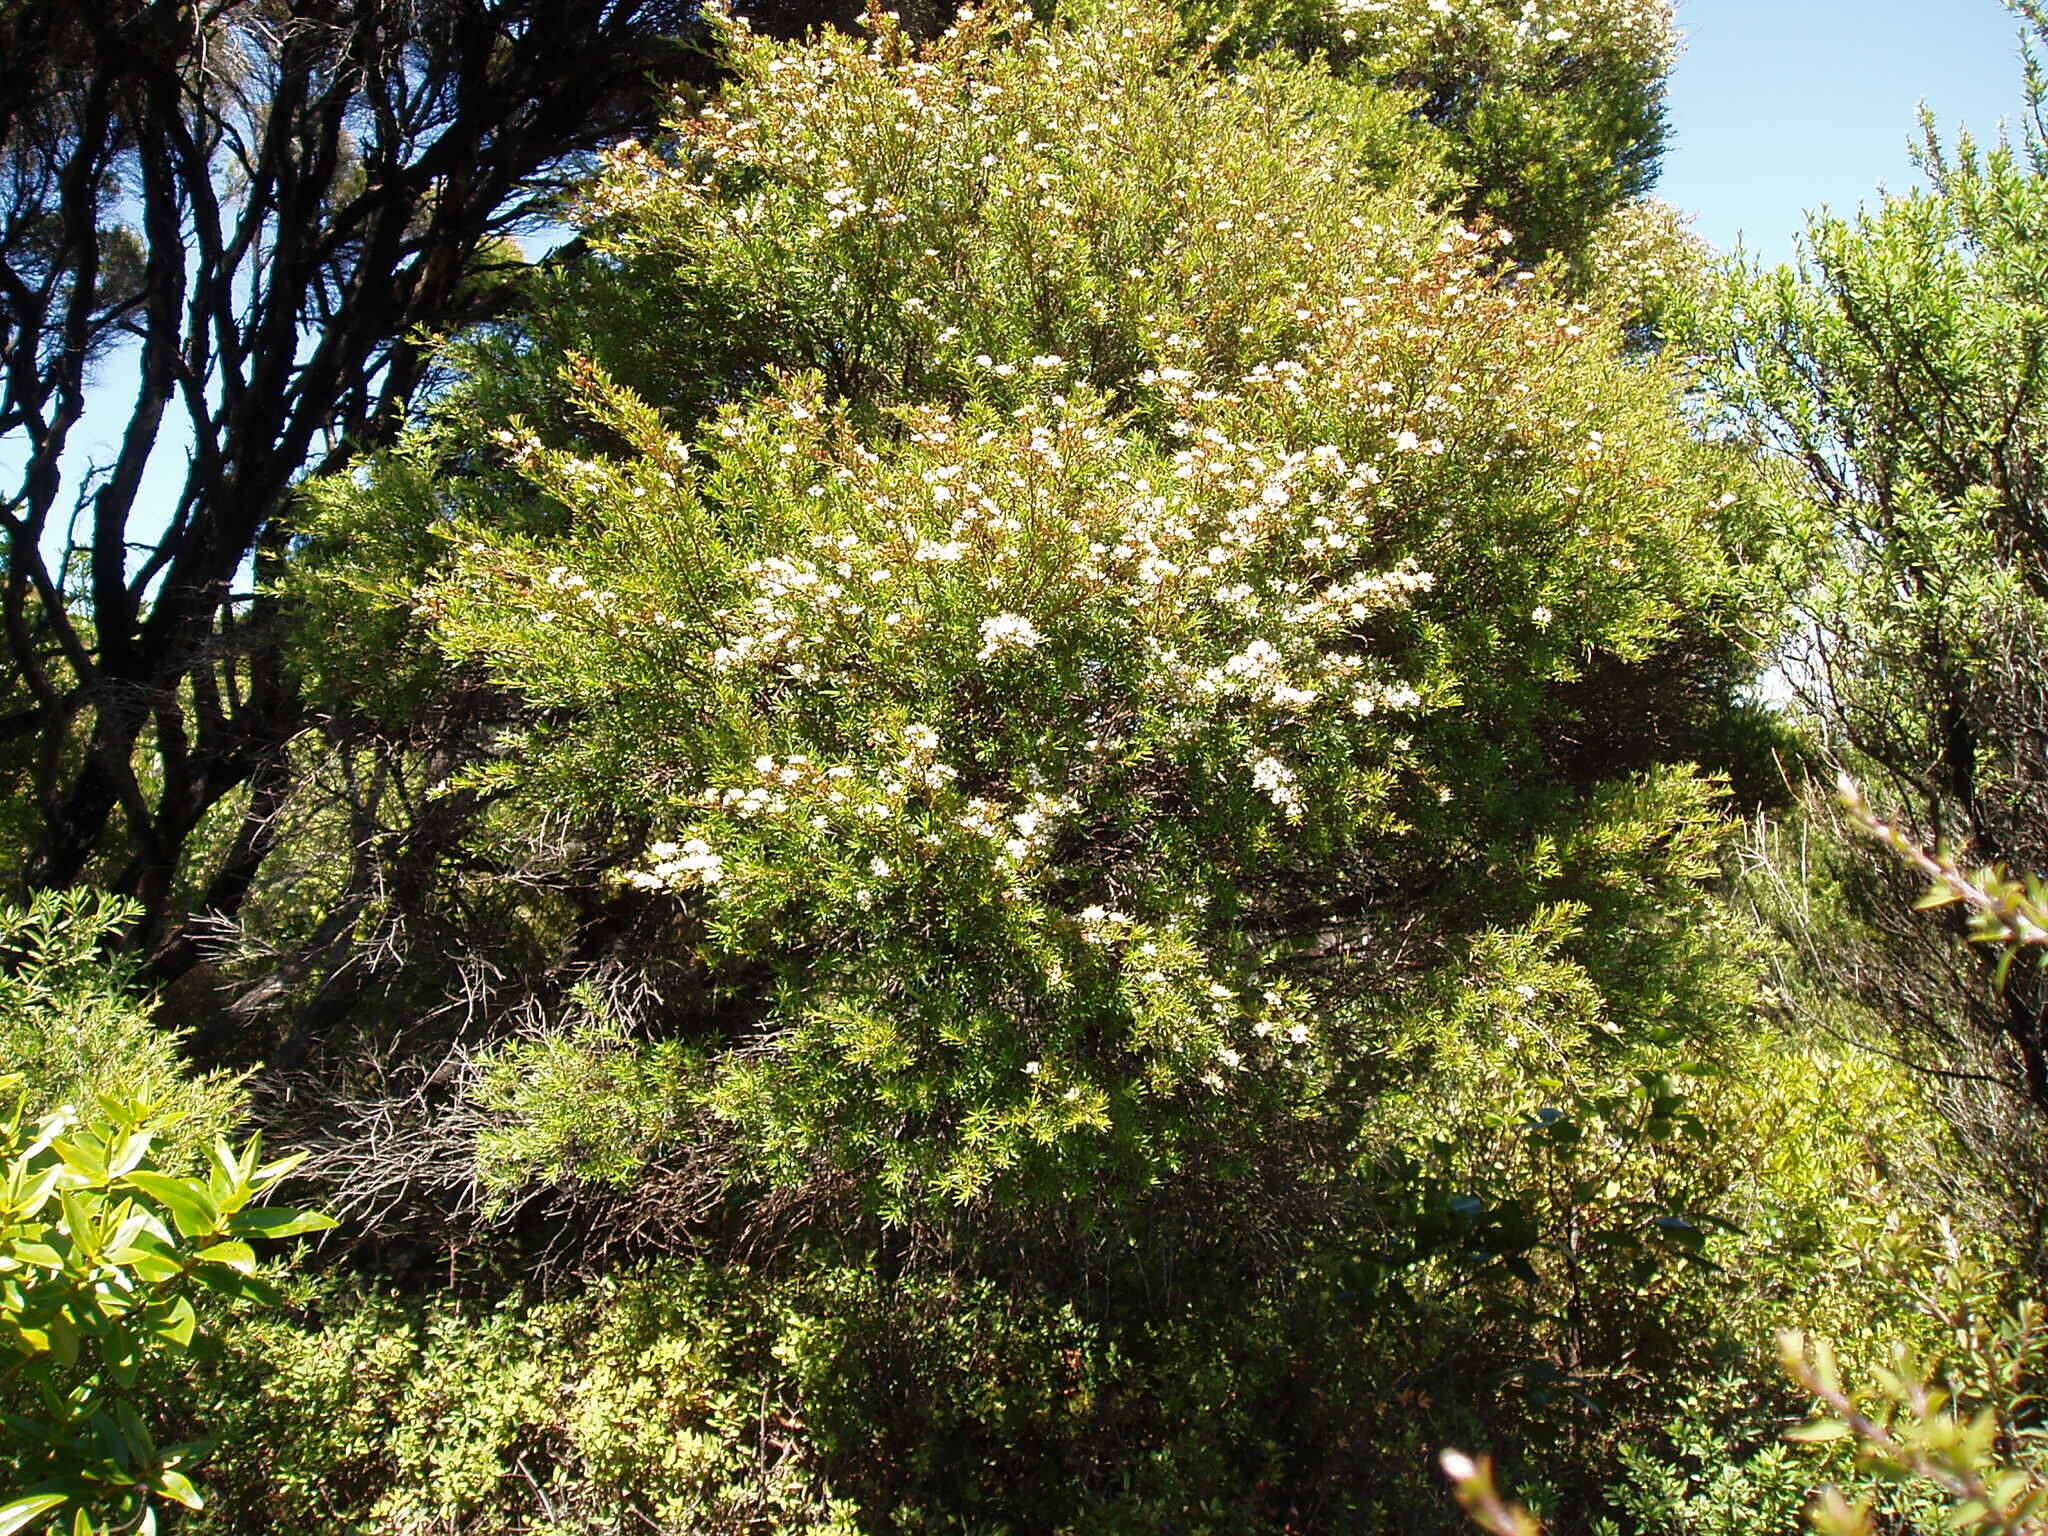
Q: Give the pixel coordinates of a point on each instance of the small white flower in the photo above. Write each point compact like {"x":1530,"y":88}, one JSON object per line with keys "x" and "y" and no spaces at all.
{"x":677,"y":867}
{"x":1007,"y":631}
{"x":1276,"y":781}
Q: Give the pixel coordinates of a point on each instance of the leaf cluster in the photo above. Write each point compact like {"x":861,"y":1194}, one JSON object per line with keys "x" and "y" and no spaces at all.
{"x":102,"y":1257}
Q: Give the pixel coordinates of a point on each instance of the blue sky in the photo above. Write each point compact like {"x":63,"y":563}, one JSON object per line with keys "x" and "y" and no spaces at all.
{"x":1780,"y":105}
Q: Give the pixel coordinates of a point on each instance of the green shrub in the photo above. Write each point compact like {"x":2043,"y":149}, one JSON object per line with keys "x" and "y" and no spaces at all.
{"x":73,"y":1027}
{"x":1127,"y":728}
{"x":1008,"y":759}
{"x":102,"y":1257}
{"x":1551,"y":115}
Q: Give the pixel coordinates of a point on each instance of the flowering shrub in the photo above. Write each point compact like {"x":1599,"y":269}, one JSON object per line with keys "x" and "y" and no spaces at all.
{"x":1642,"y":262}
{"x":1006,"y":209}
{"x":1044,"y":686}
{"x":1524,"y":41}
{"x":1550,"y":111}
{"x":1078,"y":732}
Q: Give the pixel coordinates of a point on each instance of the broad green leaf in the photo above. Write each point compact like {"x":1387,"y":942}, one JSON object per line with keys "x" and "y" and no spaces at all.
{"x":271,"y":1173}
{"x":149,"y":1257}
{"x":275,"y":1221}
{"x":135,"y":1435}
{"x":31,"y":1194}
{"x":191,"y":1206}
{"x":81,"y":1219}
{"x":237,"y":1256}
{"x":176,"y":1486}
{"x":41,"y":1255}
{"x":81,"y":1156}
{"x":179,"y":1325}
{"x":20,"y":1514}
{"x":131,"y":1154}
{"x":222,"y":1280}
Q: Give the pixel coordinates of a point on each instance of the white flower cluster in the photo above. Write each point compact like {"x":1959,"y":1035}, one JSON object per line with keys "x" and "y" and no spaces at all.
{"x":679,"y":867}
{"x":1295,"y":674}
{"x":1021,"y":835}
{"x":1007,"y":631}
{"x":1641,"y":254}
{"x":1099,"y":925}
{"x":1643,"y":32}
{"x":1276,"y":781}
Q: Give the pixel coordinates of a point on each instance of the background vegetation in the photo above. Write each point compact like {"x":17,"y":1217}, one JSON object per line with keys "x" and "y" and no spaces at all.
{"x":1088,"y":782}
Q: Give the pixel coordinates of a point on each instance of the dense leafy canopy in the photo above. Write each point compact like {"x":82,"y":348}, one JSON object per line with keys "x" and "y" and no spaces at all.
{"x":1025,"y":811}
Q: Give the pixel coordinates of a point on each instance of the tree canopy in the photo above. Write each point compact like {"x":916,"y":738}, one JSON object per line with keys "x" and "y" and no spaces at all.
{"x":270,"y":205}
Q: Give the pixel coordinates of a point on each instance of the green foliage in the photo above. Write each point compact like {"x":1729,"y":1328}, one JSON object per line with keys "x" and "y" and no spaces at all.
{"x":1551,"y":115}
{"x":1087,"y":726}
{"x":1962,"y":1425}
{"x":2005,"y":911}
{"x":102,"y":1257}
{"x":1007,"y":759}
{"x":73,"y":1029}
{"x":1952,"y":1424}
{"x":1947,"y":1432}
{"x":581,"y":1105}
{"x":1644,"y":267}
{"x":1893,"y":376}
{"x":889,"y":216}
{"x":1705,"y":1481}
{"x":680,"y":1397}
{"x":1893,"y":373}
